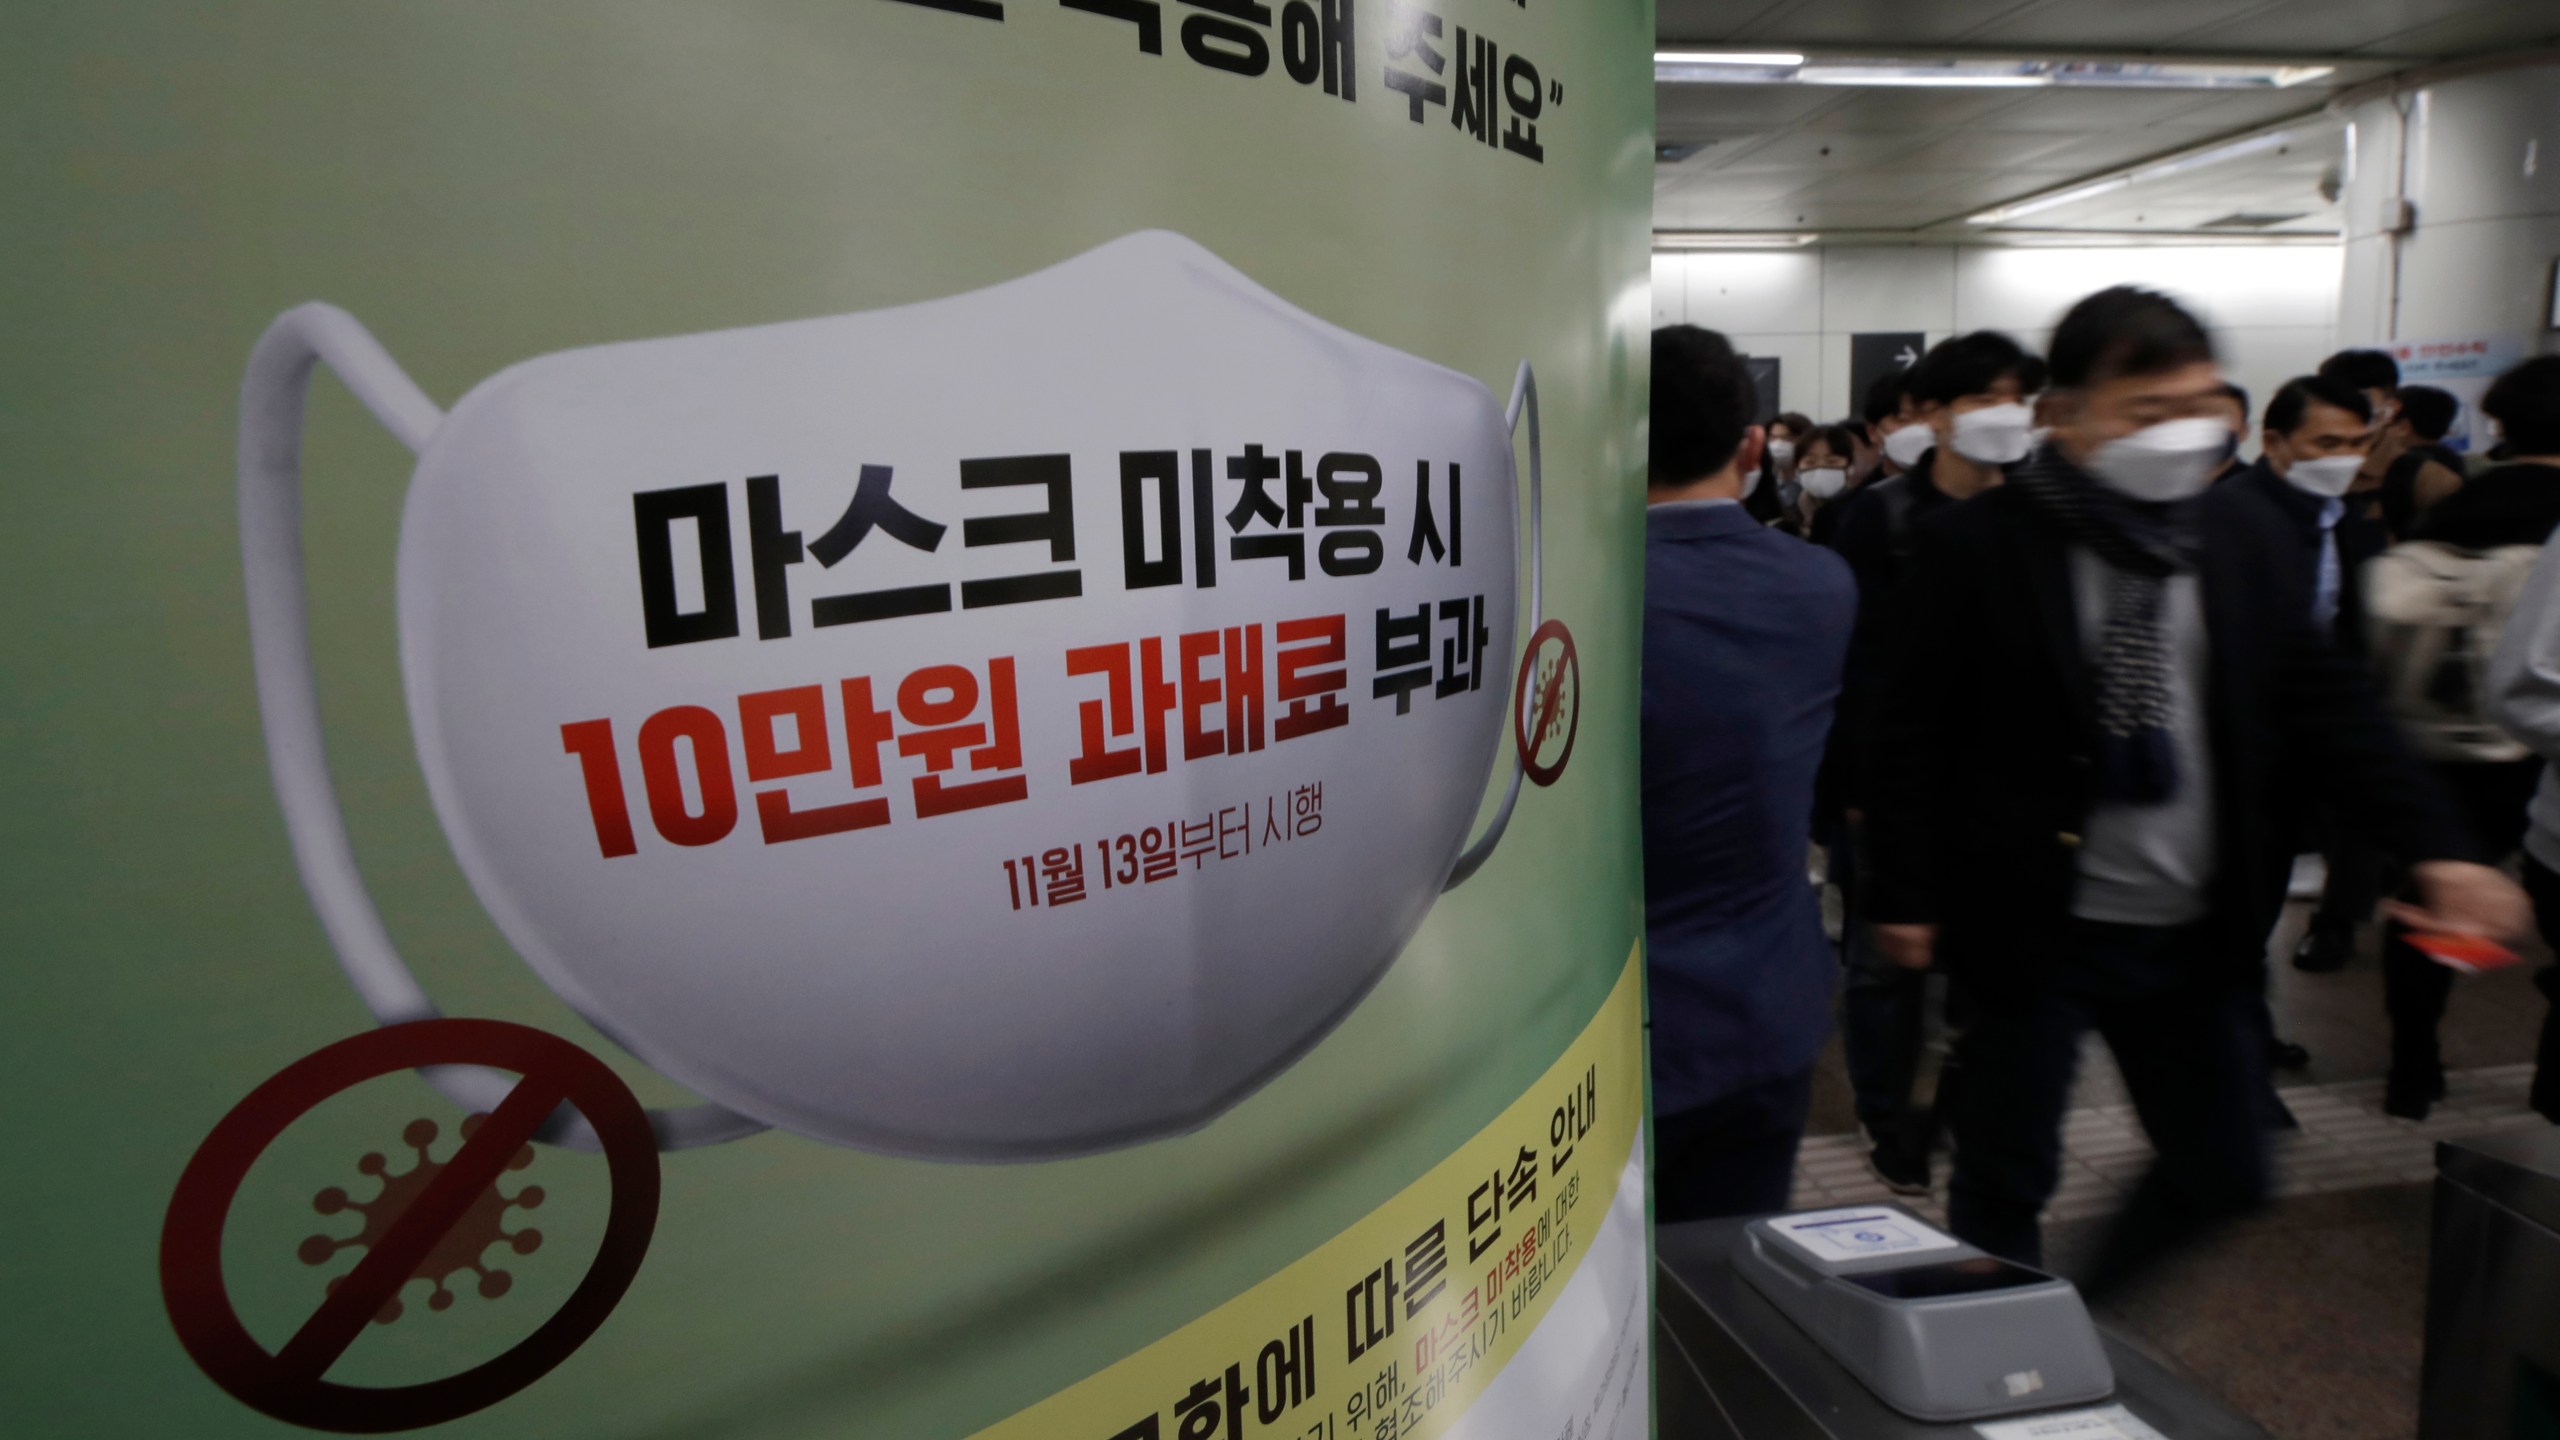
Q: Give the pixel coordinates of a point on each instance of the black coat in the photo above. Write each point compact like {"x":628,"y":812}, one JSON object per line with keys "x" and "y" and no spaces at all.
{"x":1983,"y":777}
{"x":2292,"y":516}
{"x":1875,"y":535}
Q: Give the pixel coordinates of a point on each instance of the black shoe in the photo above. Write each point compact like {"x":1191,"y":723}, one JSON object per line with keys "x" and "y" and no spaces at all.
{"x":2412,"y":1097}
{"x":2285,"y":1055}
{"x":2324,"y":951}
{"x":1902,"y":1172}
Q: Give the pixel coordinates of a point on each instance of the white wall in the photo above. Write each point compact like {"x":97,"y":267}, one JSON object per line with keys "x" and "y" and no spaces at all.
{"x":2274,"y":308}
{"x":2483,"y":169}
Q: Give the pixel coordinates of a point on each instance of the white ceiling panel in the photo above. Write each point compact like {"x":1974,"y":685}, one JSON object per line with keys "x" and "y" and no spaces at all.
{"x":1892,"y":185}
{"x":2518,"y":25}
{"x":1899,"y":112}
{"x":1683,"y":112}
{"x":2384,"y":26}
{"x":1921,"y":160}
{"x":1816,"y":157}
{"x":2081,"y":112}
{"x":1709,"y":21}
{"x":1992,"y":150}
{"x":2105,"y":24}
{"x":1866,"y":22}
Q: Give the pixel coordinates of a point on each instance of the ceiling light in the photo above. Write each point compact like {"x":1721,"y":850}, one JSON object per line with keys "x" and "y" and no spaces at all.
{"x":1730,"y":240}
{"x":1737,"y":67}
{"x":1945,"y":79}
{"x":2181,"y":164}
{"x":2125,"y":179}
{"x":2054,"y":201}
{"x":1766,"y":59}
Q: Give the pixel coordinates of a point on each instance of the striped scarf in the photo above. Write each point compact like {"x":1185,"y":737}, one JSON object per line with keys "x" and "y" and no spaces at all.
{"x":2142,"y":545}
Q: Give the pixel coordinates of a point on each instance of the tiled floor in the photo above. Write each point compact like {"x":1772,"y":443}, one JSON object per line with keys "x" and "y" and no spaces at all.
{"x":2345,"y":1143}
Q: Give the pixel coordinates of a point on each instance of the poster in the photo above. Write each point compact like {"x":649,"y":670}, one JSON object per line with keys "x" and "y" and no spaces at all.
{"x":2465,"y":369}
{"x":898,"y":718}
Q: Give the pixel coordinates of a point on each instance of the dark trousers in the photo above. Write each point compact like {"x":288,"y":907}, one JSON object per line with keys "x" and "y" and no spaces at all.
{"x":2492,"y":801}
{"x":1732,"y":1156}
{"x":2355,"y":880}
{"x":2185,"y":1031}
{"x":1884,"y":1011}
{"x":2543,"y":885}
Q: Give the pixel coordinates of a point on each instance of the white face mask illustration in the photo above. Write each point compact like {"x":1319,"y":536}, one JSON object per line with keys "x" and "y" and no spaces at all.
{"x":1009,"y":726}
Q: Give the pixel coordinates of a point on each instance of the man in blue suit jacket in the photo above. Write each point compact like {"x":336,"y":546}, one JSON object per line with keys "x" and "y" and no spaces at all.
{"x":1745,"y":634}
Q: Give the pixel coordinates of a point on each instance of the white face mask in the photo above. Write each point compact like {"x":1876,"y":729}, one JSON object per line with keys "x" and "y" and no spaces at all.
{"x":1751,"y":482}
{"x":2328,"y":477}
{"x":2171,"y":461}
{"x":1910,"y":445}
{"x":1825,"y":482}
{"x":1782,"y":453}
{"x":2000,"y":435}
{"x":859,"y":826}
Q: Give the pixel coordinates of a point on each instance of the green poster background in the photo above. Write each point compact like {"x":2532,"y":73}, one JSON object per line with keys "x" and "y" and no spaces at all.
{"x":482,"y":183}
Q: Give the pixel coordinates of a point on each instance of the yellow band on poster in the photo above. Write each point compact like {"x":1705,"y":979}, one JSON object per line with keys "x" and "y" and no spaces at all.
{"x":1391,"y":1329}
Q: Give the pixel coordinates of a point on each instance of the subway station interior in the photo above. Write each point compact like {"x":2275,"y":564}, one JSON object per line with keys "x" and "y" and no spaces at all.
{"x":1281,"y":719}
{"x":2315,"y":178}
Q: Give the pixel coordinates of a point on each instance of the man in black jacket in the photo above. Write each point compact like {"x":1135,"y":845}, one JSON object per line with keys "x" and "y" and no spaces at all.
{"x":2097,"y":706}
{"x":1971,"y":396}
{"x":2319,"y":433}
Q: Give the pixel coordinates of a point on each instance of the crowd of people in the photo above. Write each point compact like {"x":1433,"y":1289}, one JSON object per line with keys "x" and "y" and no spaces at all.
{"x":2061,"y":686}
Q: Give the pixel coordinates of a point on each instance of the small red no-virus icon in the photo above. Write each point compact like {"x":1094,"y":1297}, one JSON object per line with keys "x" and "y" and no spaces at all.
{"x":437,"y":1203}
{"x":1546,"y":703}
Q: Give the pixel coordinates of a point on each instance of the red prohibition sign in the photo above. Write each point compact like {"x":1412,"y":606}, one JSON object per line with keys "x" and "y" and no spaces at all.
{"x":288,"y":1384}
{"x":1550,"y":695}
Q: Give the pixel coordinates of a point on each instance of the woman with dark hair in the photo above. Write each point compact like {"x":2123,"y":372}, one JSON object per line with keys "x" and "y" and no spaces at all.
{"x":1824,"y":458}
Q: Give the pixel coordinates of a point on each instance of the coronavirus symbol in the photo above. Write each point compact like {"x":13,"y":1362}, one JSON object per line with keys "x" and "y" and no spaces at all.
{"x":1550,"y":709}
{"x":433,"y":1220}
{"x":462,"y":1248}
{"x":1546,"y":703}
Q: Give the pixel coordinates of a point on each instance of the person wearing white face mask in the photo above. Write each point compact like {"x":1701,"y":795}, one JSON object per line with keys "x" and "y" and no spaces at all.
{"x":1823,"y":465}
{"x":1887,"y":408}
{"x":2318,"y":433}
{"x":2318,"y":436}
{"x":1968,"y":417}
{"x":1778,"y":474}
{"x":2100,"y":713}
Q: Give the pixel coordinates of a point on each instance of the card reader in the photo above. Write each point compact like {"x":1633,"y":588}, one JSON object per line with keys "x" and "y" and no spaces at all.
{"x":1937,"y":1329}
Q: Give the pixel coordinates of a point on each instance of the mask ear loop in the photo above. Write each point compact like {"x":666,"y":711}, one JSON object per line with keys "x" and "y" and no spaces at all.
{"x":272,"y":396}
{"x":1524,"y":398}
